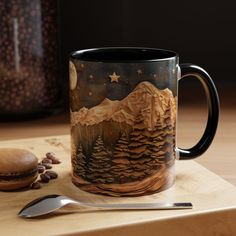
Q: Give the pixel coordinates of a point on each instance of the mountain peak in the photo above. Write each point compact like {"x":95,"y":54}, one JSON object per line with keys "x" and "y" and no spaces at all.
{"x":145,"y":84}
{"x":106,"y":101}
{"x":145,"y":100}
{"x":148,"y":87}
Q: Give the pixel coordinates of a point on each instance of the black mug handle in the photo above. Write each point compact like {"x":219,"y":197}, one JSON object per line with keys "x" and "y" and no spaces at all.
{"x":213,"y":111}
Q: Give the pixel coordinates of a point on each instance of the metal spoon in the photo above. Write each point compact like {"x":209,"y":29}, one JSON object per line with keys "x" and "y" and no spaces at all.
{"x":50,"y":203}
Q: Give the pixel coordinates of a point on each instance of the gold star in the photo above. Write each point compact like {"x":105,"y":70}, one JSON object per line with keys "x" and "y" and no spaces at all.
{"x":114,"y":77}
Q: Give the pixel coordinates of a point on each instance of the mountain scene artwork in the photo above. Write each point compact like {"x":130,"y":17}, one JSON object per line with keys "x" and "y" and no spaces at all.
{"x":123,"y":121}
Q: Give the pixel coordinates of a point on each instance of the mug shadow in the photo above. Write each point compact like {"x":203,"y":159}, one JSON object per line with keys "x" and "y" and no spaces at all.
{"x":67,"y":188}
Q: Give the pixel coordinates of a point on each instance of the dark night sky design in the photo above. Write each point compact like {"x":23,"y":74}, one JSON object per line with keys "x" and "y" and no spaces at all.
{"x":94,"y":83}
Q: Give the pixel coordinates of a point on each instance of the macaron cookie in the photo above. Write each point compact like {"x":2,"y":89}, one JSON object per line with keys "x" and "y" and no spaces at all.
{"x":18,"y":168}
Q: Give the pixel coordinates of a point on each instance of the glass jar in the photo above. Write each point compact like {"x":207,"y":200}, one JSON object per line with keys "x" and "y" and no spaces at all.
{"x":29,"y":58}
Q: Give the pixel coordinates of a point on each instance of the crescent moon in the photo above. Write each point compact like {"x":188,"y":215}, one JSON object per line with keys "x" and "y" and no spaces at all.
{"x":73,"y":75}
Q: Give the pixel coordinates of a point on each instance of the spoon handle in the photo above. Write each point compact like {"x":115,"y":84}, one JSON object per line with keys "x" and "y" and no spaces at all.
{"x":141,"y":206}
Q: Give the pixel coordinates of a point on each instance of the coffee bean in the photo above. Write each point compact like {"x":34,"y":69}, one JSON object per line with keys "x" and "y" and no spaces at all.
{"x":56,"y":161}
{"x":46,"y":160}
{"x":50,"y":155}
{"x":52,"y":174}
{"x":41,"y":168}
{"x":36,"y":185}
{"x":47,"y":165}
{"x":45,"y":178}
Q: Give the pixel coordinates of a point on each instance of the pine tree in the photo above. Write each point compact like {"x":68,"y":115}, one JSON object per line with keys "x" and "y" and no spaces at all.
{"x":100,"y":163}
{"x":169,"y":136}
{"x":162,"y":139}
{"x":138,"y":140}
{"x":80,"y":162}
{"x":139,"y":152}
{"x":73,"y":155}
{"x":120,"y":163}
{"x":156,"y":144}
{"x":121,"y":149}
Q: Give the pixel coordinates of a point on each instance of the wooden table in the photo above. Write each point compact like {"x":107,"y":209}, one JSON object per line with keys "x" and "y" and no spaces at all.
{"x":214,"y":198}
{"x":214,"y":203}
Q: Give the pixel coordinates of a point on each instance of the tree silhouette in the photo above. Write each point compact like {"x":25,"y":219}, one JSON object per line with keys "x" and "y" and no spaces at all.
{"x":169,"y":136}
{"x":139,"y":151}
{"x":138,"y":146}
{"x":156,"y":144}
{"x":120,"y":163}
{"x":99,"y":163}
{"x":162,"y":139}
{"x":121,"y":149}
{"x":73,"y":154}
{"x":79,"y":163}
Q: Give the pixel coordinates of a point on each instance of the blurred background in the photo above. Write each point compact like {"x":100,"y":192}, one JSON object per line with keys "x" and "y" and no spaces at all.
{"x":200,"y":31}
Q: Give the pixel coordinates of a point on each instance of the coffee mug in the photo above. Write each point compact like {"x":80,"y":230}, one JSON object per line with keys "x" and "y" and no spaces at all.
{"x":123,"y":104}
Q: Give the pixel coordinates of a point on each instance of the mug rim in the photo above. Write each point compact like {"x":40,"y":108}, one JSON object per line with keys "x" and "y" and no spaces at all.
{"x":146,"y":55}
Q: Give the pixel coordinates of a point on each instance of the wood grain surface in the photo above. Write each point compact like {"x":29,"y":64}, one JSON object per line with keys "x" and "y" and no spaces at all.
{"x":213,"y":198}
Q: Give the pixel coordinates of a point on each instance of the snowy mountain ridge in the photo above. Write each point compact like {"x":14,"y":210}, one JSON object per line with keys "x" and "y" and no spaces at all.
{"x":145,"y":100}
